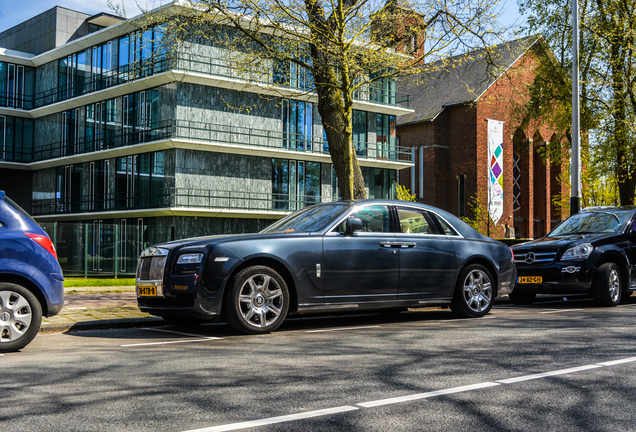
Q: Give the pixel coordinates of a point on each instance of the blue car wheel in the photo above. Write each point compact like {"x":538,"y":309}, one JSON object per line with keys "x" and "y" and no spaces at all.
{"x":20,"y":317}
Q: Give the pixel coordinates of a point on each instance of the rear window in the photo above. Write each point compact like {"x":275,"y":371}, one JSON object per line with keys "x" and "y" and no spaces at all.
{"x":19,"y":209}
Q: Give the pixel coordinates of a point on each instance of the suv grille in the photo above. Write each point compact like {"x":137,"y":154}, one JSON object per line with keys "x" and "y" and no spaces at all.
{"x":531,"y":257}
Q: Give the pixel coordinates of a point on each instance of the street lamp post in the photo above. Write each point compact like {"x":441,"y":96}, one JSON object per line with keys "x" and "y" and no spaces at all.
{"x":575,"y":189}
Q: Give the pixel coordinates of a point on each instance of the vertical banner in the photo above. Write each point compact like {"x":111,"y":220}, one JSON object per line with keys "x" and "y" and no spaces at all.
{"x":495,"y":169}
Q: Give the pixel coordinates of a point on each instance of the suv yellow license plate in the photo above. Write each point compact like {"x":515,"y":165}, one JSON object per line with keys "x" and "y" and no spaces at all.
{"x":147,"y":291}
{"x":530,"y":279}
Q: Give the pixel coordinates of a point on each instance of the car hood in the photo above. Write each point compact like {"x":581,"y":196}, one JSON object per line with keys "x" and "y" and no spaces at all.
{"x":556,"y":243}
{"x":216,"y":239}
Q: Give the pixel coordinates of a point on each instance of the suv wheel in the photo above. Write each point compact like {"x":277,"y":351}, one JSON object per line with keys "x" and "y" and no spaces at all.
{"x":606,"y":285}
{"x":20,"y":317}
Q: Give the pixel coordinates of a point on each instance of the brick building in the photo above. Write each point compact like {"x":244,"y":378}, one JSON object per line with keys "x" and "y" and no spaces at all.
{"x":447,"y":134}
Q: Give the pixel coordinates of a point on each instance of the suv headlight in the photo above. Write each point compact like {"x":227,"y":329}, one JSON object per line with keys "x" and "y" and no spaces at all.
{"x":190,"y":258}
{"x":581,"y":251}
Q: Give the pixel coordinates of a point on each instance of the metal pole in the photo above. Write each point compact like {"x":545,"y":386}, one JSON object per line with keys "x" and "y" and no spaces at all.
{"x":575,"y":189}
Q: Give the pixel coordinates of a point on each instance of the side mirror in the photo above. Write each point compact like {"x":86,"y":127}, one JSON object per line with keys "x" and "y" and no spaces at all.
{"x":353,"y":224}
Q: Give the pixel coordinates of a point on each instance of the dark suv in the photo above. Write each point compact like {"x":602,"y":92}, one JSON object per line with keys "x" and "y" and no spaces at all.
{"x":31,"y":281}
{"x":592,"y":252}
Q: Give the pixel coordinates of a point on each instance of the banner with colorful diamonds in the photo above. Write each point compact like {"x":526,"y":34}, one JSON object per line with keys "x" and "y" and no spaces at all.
{"x":495,"y":169}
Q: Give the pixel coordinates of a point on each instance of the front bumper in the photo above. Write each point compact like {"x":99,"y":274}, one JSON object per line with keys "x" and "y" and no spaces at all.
{"x":557,"y":278}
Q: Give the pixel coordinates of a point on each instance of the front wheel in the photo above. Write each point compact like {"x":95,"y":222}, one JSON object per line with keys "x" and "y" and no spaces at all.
{"x":257,"y":302}
{"x":606,"y":285}
{"x":20,"y":317}
{"x":473,"y":295}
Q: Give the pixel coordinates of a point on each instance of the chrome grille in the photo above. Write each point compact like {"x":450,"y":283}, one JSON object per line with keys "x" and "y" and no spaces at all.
{"x":150,"y":268}
{"x":532,"y":257}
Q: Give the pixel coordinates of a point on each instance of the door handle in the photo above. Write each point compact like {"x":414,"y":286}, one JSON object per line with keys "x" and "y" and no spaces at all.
{"x":395,"y":244}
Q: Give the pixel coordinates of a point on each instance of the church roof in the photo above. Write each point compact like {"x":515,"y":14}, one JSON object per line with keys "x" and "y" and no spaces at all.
{"x":460,"y":81}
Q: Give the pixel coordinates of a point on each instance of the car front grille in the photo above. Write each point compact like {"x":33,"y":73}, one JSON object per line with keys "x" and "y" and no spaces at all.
{"x":150,"y":268}
{"x":531,"y":257}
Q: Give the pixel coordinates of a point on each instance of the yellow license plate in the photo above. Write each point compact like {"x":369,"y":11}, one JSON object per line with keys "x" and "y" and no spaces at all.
{"x":530,"y":279}
{"x":147,"y":291}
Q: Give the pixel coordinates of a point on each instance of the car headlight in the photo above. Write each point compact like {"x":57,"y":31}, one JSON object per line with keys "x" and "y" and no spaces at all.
{"x":578,"y":252}
{"x":190,"y":258}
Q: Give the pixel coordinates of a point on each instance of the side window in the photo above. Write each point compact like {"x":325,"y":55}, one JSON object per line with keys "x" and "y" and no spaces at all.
{"x":374,"y":218}
{"x":448,"y":230}
{"x":413,"y":221}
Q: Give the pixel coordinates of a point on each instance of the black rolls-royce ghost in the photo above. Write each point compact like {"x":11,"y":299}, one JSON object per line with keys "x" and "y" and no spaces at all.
{"x":592,"y":252}
{"x":341,"y":256}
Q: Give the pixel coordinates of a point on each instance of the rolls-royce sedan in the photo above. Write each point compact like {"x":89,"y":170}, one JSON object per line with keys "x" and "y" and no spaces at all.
{"x":342,"y":256}
{"x":593,"y":252}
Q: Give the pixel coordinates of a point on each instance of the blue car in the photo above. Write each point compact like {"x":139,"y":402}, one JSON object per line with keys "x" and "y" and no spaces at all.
{"x":31,"y":281}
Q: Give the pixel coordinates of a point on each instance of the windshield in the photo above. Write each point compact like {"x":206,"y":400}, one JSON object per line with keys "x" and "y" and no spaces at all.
{"x":314,"y":218}
{"x":592,"y":222}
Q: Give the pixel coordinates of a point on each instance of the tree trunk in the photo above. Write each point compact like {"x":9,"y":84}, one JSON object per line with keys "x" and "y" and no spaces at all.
{"x":337,"y":125}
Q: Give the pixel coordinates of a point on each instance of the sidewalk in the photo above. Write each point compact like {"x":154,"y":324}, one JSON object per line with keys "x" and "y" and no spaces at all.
{"x":94,"y":308}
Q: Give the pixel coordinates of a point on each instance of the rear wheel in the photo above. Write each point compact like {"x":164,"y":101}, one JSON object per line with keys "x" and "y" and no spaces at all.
{"x":606,"y":285}
{"x":20,"y":317}
{"x":521,"y":298}
{"x":258,"y":301}
{"x":473,"y":294}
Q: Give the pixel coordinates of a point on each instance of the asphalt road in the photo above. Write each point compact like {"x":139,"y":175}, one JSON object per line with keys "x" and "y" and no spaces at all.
{"x":558,"y":366}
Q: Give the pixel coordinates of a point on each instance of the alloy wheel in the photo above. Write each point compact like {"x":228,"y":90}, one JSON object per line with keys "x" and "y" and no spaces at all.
{"x":261,"y":300}
{"x":477,"y":290}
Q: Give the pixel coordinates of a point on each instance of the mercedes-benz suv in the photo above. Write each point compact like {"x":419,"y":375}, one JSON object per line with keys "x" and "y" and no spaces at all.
{"x":592,"y":252}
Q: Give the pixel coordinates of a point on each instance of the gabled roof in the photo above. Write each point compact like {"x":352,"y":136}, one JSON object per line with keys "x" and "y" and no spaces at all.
{"x":460,"y":81}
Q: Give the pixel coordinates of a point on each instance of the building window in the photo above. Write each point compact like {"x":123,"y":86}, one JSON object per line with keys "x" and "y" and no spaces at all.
{"x":381,"y":183}
{"x":295,"y":184}
{"x":297,"y":124}
{"x":16,"y":139}
{"x":70,"y":132}
{"x":516,"y":188}
{"x":139,"y":180}
{"x":360,"y":132}
{"x":461,"y":195}
{"x":386,"y":140}
{"x":100,"y":126}
{"x":16,"y":85}
{"x":68,"y":189}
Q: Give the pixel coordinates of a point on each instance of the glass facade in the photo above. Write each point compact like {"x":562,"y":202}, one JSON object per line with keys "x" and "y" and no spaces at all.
{"x":17,"y":85}
{"x":297,"y":124}
{"x":295,"y":184}
{"x":16,"y":139}
{"x":386,"y":141}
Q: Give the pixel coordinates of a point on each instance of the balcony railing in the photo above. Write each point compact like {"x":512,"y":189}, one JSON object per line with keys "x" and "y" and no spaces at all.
{"x":224,"y":67}
{"x":213,"y":133}
{"x":176,"y":198}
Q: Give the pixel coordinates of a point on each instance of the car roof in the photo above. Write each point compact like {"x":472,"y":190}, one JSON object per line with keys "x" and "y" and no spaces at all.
{"x":1,"y":194}
{"x":609,"y":208}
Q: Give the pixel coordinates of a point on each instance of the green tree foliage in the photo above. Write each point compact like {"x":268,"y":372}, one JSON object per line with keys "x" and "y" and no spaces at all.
{"x":349,"y":49}
{"x":404,"y":194}
{"x":480,"y":219}
{"x":608,"y":87}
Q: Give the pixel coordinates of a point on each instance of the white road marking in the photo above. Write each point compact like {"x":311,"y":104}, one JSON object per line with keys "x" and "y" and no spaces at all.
{"x":548,"y":374}
{"x":274,"y":420}
{"x":427,"y":395}
{"x":173,"y":332}
{"x":372,"y":404}
{"x":560,"y":310}
{"x":617,"y":362}
{"x":172,"y":342}
{"x":341,"y":329}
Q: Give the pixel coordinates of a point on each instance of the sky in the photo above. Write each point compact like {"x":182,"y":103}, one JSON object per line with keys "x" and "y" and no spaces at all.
{"x":11,"y":15}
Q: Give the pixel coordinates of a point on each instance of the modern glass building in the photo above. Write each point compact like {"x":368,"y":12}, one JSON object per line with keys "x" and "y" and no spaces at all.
{"x":113,"y":140}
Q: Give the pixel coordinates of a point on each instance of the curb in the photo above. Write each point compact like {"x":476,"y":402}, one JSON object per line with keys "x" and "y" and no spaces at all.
{"x":121,"y":323}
